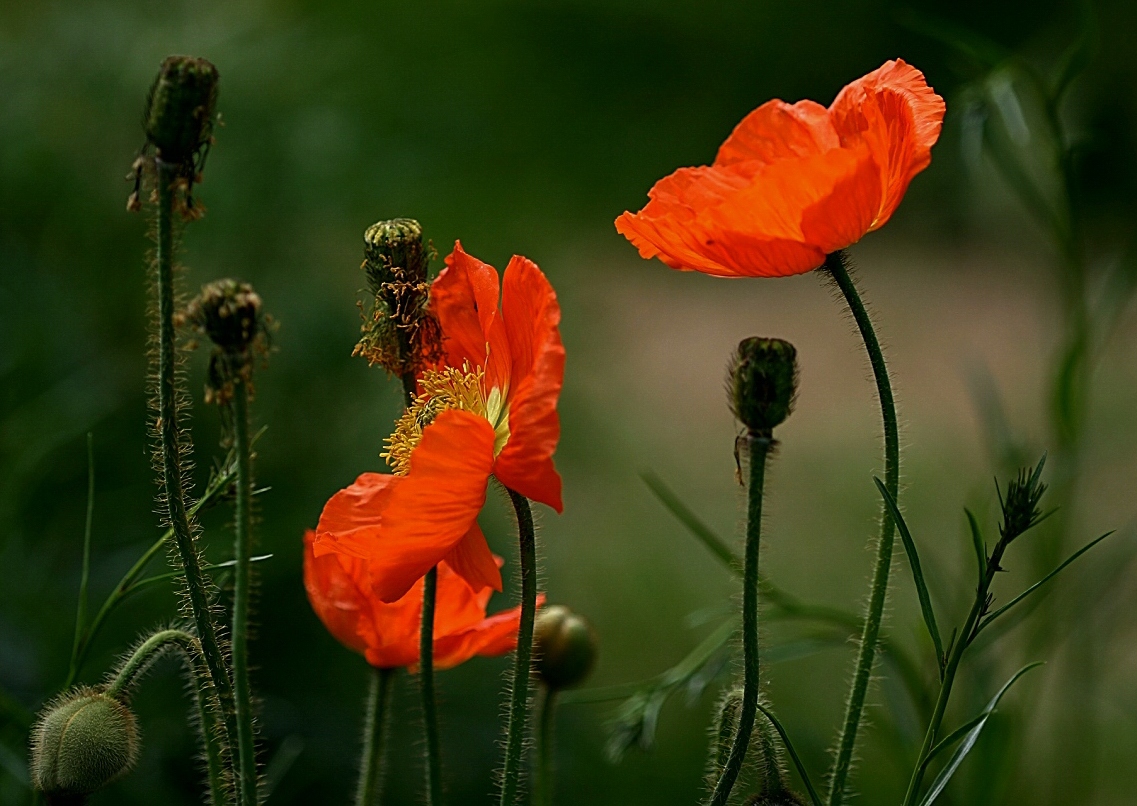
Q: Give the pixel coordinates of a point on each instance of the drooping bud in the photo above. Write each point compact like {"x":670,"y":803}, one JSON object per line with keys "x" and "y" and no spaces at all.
{"x":564,"y":646}
{"x":181,"y":107}
{"x":762,"y":383}
{"x":229,"y":313}
{"x":399,"y":332}
{"x":83,"y":741}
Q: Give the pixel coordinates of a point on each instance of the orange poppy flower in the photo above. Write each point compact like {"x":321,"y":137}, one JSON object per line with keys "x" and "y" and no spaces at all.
{"x":490,"y":409}
{"x":339,"y":589}
{"x":794,"y":182}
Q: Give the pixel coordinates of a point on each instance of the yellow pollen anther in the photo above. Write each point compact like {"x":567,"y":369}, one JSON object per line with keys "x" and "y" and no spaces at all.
{"x":448,"y":388}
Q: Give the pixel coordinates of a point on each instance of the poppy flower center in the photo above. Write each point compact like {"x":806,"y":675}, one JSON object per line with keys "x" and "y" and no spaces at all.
{"x":448,"y":388}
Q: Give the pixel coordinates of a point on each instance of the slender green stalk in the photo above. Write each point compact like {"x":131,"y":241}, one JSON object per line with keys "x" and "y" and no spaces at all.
{"x":127,"y":584}
{"x":545,"y":744}
{"x":190,"y":648}
{"x":759,"y":449}
{"x":523,"y":658}
{"x":375,"y":721}
{"x":174,"y":497}
{"x":874,"y":612}
{"x":426,"y":683}
{"x":85,"y":574}
{"x":242,"y":582}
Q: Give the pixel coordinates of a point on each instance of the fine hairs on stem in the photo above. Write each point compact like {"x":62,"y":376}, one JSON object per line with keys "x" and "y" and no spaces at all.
{"x":836,"y":265}
{"x":522,"y":665}
{"x":376,"y":720}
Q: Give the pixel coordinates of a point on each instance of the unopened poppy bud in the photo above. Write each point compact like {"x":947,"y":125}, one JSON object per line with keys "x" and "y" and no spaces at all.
{"x":180,"y":109}
{"x":762,"y":383}
{"x":565,"y":647}
{"x":394,"y":251}
{"x":229,"y":312}
{"x":82,"y":742}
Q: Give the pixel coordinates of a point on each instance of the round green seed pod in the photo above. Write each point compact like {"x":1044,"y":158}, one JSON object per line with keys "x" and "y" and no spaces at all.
{"x":180,"y":110}
{"x":82,"y":741}
{"x":394,"y":251}
{"x":565,"y":647}
{"x":762,"y":383}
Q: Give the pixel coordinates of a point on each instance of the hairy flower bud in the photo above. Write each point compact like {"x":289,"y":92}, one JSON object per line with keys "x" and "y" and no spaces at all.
{"x":399,"y":333}
{"x":83,"y":741}
{"x":762,"y":383}
{"x":180,"y":109}
{"x":394,"y":251}
{"x":565,"y":647}
{"x":229,"y":312}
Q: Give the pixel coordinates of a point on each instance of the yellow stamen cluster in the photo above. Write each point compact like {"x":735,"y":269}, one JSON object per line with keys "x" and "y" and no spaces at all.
{"x":449,"y":388}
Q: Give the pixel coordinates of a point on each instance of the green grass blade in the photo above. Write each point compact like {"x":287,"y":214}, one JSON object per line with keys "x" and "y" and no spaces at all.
{"x":814,"y":798}
{"x":1040,"y":582}
{"x":85,"y":574}
{"x":917,"y":571}
{"x":970,"y":738}
{"x":715,"y":544}
{"x":979,"y":546}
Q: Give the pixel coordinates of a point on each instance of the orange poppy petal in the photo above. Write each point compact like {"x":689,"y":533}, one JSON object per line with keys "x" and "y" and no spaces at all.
{"x":435,"y":504}
{"x":532,"y":317}
{"x":473,"y":561}
{"x":464,"y":296}
{"x":776,"y":131}
{"x":360,"y":504}
{"x":899,"y":117}
{"x":338,"y":597}
{"x":495,"y":635}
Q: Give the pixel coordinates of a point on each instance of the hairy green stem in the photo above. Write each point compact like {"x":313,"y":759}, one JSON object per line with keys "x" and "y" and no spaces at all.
{"x":523,"y":658}
{"x":543,"y":795}
{"x":171,"y":450}
{"x":375,"y":721}
{"x":242,"y":583}
{"x":426,"y":684}
{"x":759,"y":446}
{"x":835,"y":264}
{"x":205,"y":705}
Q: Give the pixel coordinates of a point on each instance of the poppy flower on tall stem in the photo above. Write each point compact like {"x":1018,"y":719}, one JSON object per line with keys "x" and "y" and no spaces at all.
{"x":791,"y":188}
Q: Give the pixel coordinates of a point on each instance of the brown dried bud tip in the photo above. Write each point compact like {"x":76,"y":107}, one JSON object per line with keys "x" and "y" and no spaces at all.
{"x":399,"y":332}
{"x":229,"y":312}
{"x":83,"y":741}
{"x":180,"y":109}
{"x":762,"y":383}
{"x":564,"y":646}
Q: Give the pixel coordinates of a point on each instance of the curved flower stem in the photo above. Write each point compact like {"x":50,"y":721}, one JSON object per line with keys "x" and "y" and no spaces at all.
{"x":835,"y":264}
{"x":375,"y":722}
{"x":545,"y":742}
{"x":169,"y":439}
{"x":522,"y":664}
{"x":204,"y":704}
{"x":426,"y":683}
{"x":759,"y":445}
{"x":242,"y":582}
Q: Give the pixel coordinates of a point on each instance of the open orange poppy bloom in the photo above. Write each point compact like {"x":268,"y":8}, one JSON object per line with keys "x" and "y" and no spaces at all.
{"x":339,"y":589}
{"x":491,"y":409}
{"x":794,"y":182}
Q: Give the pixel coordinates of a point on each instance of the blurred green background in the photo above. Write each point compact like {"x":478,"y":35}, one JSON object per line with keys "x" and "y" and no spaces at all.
{"x":526,"y":127}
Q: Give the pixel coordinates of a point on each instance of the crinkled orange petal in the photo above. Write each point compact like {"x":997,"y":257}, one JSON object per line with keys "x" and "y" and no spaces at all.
{"x":532,"y":319}
{"x":495,"y":635}
{"x":899,"y":117}
{"x":360,"y":504}
{"x":464,"y":297}
{"x":435,"y":504}
{"x":338,"y":596}
{"x":459,"y":605}
{"x":473,"y":560}
{"x":776,"y":131}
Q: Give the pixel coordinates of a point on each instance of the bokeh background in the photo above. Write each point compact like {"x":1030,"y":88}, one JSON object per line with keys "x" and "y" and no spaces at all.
{"x":526,"y":127}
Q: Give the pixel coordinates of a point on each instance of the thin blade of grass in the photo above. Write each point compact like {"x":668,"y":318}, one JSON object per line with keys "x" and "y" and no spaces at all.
{"x":85,"y":574}
{"x":801,"y":771}
{"x":142,"y":583}
{"x":1040,"y":582}
{"x":979,"y":546}
{"x":715,"y":544}
{"x":917,"y":572}
{"x":970,"y":738}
